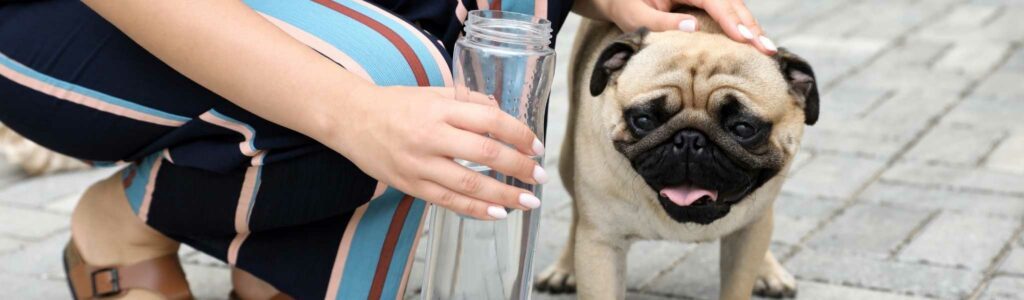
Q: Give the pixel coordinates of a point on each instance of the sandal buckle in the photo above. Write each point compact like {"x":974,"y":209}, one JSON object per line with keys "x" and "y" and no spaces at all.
{"x":112,"y":278}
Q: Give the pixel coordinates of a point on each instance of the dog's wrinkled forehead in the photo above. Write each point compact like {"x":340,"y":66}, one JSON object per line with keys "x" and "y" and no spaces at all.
{"x":697,"y":71}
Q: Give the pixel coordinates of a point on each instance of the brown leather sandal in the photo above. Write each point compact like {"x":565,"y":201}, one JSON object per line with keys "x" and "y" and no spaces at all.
{"x":162,"y":275}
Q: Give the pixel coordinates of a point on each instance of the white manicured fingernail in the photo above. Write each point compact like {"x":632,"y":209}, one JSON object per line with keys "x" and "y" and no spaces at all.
{"x":688,"y":25}
{"x":497,"y":212}
{"x":540,"y":175}
{"x":745,"y":32}
{"x":538,"y":147}
{"x":528,"y":200}
{"x":768,"y":44}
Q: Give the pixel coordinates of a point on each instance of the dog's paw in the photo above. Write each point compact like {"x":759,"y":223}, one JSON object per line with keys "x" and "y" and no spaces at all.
{"x":774,"y":281}
{"x":556,"y":280}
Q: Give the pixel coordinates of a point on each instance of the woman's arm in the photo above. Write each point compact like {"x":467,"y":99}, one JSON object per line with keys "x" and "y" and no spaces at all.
{"x":405,"y":137}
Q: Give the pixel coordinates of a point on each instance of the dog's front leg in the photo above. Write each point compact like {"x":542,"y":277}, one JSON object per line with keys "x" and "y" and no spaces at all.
{"x":600,"y":265}
{"x":742,"y":253}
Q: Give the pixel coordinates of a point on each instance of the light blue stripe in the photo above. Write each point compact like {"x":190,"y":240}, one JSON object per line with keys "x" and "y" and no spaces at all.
{"x":369,"y":49}
{"x":255,"y":192}
{"x":252,"y":141}
{"x":24,"y":70}
{"x":367,"y":242}
{"x":137,"y":190}
{"x":421,"y":50}
{"x":519,"y":6}
{"x":403,"y":250}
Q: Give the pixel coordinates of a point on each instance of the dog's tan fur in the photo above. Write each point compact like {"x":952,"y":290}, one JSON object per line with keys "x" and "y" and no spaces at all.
{"x":613,"y":206}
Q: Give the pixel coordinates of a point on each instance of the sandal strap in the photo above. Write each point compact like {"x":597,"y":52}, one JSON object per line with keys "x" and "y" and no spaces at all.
{"x":162,"y":275}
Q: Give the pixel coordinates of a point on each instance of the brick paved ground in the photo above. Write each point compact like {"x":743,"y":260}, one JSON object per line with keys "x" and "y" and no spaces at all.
{"x":910,"y":187}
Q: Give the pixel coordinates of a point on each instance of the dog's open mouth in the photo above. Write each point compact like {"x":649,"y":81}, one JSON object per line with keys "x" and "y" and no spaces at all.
{"x":689,"y":195}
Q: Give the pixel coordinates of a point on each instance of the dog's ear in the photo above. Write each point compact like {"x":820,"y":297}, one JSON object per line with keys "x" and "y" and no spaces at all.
{"x":802,"y":83}
{"x":613,"y":58}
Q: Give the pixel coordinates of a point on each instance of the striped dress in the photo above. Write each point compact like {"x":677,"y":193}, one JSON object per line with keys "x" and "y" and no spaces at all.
{"x":208,"y":173}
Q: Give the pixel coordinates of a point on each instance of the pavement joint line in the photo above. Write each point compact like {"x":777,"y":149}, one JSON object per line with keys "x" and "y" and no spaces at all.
{"x":993,"y":267}
{"x":914,"y":233}
{"x":946,"y":48}
{"x":1004,"y":135}
{"x":886,"y":97}
{"x":663,"y":295}
{"x":971,"y":190}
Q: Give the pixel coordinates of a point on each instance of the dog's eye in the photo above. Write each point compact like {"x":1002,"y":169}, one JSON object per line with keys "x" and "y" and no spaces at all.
{"x":743,"y":130}
{"x":643,"y":123}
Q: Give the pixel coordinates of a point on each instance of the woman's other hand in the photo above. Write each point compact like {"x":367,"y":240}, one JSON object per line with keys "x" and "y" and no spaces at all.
{"x":732,"y":15}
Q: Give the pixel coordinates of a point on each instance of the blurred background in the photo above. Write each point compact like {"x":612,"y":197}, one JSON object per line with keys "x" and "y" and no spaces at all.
{"x":911,"y":186}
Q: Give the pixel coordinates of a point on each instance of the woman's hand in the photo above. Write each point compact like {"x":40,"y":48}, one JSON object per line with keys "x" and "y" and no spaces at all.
{"x":408,"y":136}
{"x":732,"y":15}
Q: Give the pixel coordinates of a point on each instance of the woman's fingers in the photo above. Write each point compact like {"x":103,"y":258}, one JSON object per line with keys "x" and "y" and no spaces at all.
{"x":761,"y":42}
{"x":659,"y":19}
{"x":490,"y":152}
{"x":460,"y":203}
{"x":464,"y":95}
{"x":479,"y":184}
{"x":500,"y":125}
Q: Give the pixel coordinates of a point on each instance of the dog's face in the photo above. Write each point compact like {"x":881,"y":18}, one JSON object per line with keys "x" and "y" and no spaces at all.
{"x":705,"y":121}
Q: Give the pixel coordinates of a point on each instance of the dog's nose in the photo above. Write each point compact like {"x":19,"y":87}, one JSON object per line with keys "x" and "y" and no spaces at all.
{"x":689,"y":138}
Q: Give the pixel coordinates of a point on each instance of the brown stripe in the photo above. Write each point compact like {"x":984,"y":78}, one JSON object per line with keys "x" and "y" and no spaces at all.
{"x":388,"y":251}
{"x":410,"y":56}
{"x":496,"y":5}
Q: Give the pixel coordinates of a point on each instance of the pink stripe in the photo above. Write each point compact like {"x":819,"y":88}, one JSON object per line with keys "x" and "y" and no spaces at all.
{"x":258,"y":159}
{"x":540,"y":9}
{"x":442,"y":65}
{"x":242,"y":213}
{"x":244,"y":146}
{"x":167,"y":156}
{"x":321,"y":46}
{"x":412,"y":254}
{"x":78,"y":98}
{"x":460,"y":12}
{"x":147,"y":199}
{"x":233,"y":248}
{"x":339,"y":260}
{"x":483,"y":5}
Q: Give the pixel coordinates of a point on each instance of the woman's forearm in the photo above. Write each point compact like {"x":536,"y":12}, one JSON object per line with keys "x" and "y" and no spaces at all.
{"x":230,"y":49}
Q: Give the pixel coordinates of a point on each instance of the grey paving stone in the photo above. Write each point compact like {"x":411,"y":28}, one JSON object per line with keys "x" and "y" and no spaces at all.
{"x":909,"y":78}
{"x":920,"y":54}
{"x":39,"y":191}
{"x":1002,"y":84}
{"x":961,"y":241}
{"x":925,"y":198}
{"x":8,"y":245}
{"x":864,"y":138}
{"x":1004,"y":288}
{"x":889,"y":19}
{"x":1015,"y":63}
{"x":832,"y":56}
{"x":909,"y":107}
{"x":208,"y":282}
{"x":648,"y":259}
{"x":1014,"y":262}
{"x":797,"y":216}
{"x":40,"y":259}
{"x":832,"y":176}
{"x":851,"y":103}
{"x":990,"y":112}
{"x":696,"y":277}
{"x":973,"y":59}
{"x":32,"y":288}
{"x":960,"y":178}
{"x":64,"y":205}
{"x":30,"y":224}
{"x":1007,"y":155}
{"x":820,"y":291}
{"x":867,"y":229}
{"x":899,"y":277}
{"x":955,"y":145}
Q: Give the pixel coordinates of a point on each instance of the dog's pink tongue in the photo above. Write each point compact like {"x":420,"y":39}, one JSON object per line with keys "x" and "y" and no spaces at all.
{"x":686,"y":194}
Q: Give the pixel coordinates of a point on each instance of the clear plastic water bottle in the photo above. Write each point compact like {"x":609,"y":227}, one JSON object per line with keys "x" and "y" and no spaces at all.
{"x":507,"y":56}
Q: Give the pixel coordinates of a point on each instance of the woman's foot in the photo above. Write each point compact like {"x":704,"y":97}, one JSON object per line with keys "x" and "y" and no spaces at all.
{"x":108,"y":233}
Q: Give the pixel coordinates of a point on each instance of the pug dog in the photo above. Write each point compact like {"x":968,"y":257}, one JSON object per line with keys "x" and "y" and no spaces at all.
{"x":677,"y":136}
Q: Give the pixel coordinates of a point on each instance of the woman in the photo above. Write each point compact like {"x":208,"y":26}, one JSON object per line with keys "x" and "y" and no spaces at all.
{"x":258,"y":132}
